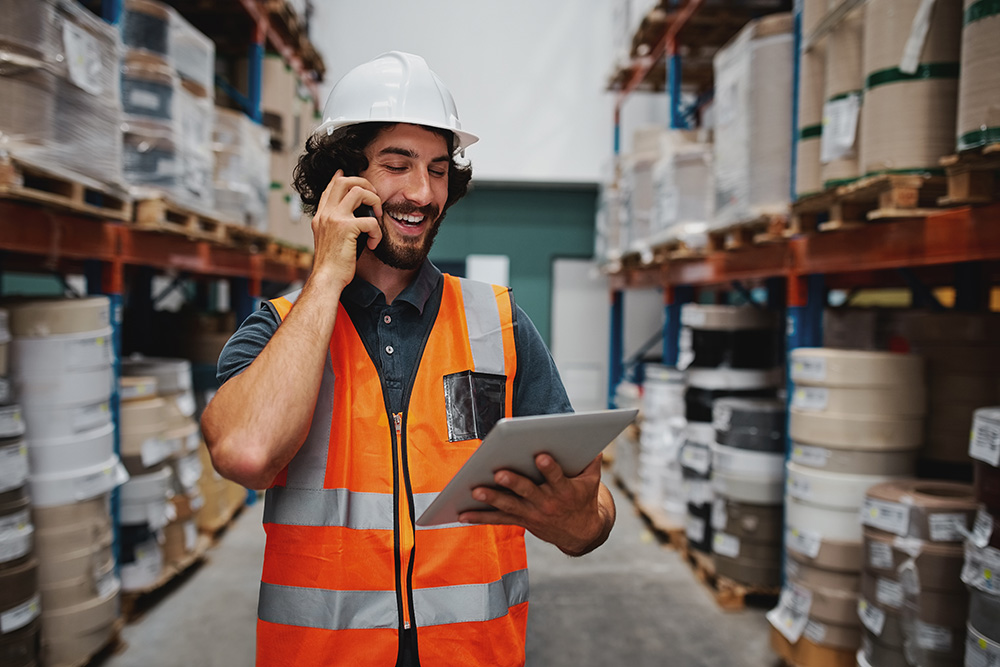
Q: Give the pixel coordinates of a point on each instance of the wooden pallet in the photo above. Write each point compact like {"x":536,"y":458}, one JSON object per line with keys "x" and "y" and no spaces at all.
{"x":164,"y":215}
{"x":247,"y":238}
{"x":676,"y":251}
{"x":880,"y":197}
{"x":26,"y":182}
{"x":114,"y":646}
{"x":973,"y":177}
{"x":286,"y":254}
{"x":805,"y":653}
{"x":729,"y":595}
{"x":138,"y":602}
{"x":765,"y":228}
{"x":215,"y":529}
{"x":671,"y":532}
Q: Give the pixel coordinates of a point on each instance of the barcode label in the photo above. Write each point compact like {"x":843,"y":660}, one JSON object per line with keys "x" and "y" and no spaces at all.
{"x":981,"y":568}
{"x":813,"y":457}
{"x":982,"y":529}
{"x":695,"y":529}
{"x":809,"y":368}
{"x":722,"y":417}
{"x":948,"y":527}
{"x":804,"y":542}
{"x":726,"y":545}
{"x":984,"y":442}
{"x":879,"y":555}
{"x":811,"y":398}
{"x":815,"y":632}
{"x":696,"y":457}
{"x":887,"y":516}
{"x":871,"y":617}
{"x":889,"y":593}
{"x":791,"y":616}
{"x":798,"y":486}
{"x":933,"y":637}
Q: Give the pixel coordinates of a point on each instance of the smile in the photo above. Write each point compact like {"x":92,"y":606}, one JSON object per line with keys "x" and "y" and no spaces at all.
{"x":408,"y":220}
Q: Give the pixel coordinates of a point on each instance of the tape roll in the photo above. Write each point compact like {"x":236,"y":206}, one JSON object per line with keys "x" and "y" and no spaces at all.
{"x":709,"y":317}
{"x":69,"y":454}
{"x":826,"y":367}
{"x":19,"y":648}
{"x":758,"y":491}
{"x":818,"y":577}
{"x":879,"y":401}
{"x":979,"y":649}
{"x":935,"y":566}
{"x":829,"y":489}
{"x":841,"y":637}
{"x":856,"y":432}
{"x":984,"y":614}
{"x":855,"y":461}
{"x":756,"y":424}
{"x":55,"y":317}
{"x":741,"y":382}
{"x":12,"y":423}
{"x":759,"y":523}
{"x":987,"y":486}
{"x":924,"y":509}
{"x":874,"y":653}
{"x":823,"y":523}
{"x":749,"y":571}
{"x":747,"y":463}
{"x":831,"y":605}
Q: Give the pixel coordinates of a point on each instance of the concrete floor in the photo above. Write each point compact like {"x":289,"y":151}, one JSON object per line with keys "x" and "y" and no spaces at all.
{"x":632,"y":602}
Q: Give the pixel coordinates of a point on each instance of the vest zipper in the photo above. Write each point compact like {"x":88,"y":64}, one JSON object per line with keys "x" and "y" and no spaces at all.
{"x":405,"y":523}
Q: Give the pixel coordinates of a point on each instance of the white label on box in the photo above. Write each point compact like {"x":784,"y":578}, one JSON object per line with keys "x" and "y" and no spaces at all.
{"x":889,"y":593}
{"x":695,"y":529}
{"x":791,"y":615}
{"x":90,"y":352}
{"x":4,"y":391}
{"x":981,"y":568}
{"x":933,"y":637}
{"x":13,"y":466}
{"x":798,"y":486}
{"x":815,"y":632}
{"x":91,"y":416}
{"x":947,"y":527}
{"x":982,"y":529}
{"x":880,"y":555}
{"x":15,"y":535}
{"x":811,"y":398}
{"x":840,"y":128}
{"x":11,"y":424}
{"x":189,"y":471}
{"x":909,"y":578}
{"x":21,"y":615}
{"x":154,"y":450}
{"x":890,"y":517}
{"x":871,"y":617}
{"x":722,"y":417}
{"x":809,"y":368}
{"x":726,"y":545}
{"x":984,"y":443}
{"x":812,"y":457}
{"x":719,"y":514}
{"x":981,"y":653}
{"x":190,"y":536}
{"x":94,"y":484}
{"x":83,"y":58}
{"x":143,"y":99}
{"x":107,"y":584}
{"x":805,"y":542}
{"x":696,"y":457}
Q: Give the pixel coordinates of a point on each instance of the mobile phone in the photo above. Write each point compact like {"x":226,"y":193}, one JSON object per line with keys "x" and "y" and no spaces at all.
{"x":363,"y":211}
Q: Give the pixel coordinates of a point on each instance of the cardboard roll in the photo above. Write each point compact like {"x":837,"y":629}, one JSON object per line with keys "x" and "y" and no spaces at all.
{"x":870,"y":432}
{"x":709,"y":317}
{"x":72,"y":542}
{"x":984,"y":614}
{"x":740,"y":382}
{"x":18,"y":586}
{"x":940,"y":608}
{"x":81,"y":619}
{"x":987,"y":489}
{"x":65,"y":488}
{"x":836,"y":524}
{"x":67,"y":455}
{"x":829,"y":489}
{"x":874,"y":653}
{"x":842,"y":637}
{"x":698,"y":401}
{"x":45,"y":422}
{"x":172,"y":375}
{"x":56,"y":354}
{"x":96,"y":510}
{"x":854,"y":462}
{"x":758,"y":523}
{"x":947,"y":388}
{"x":733,"y":349}
{"x":831,"y":605}
{"x":137,"y":388}
{"x":924,"y":509}
{"x":747,"y":463}
{"x":11,"y":422}
{"x":747,"y":571}
{"x":87,"y":387}
{"x":13,"y":464}
{"x":878,"y":401}
{"x":55,"y":567}
{"x":78,"y":590}
{"x":38,"y":318}
{"x":733,"y":547}
{"x":28,"y":94}
{"x":756,"y":490}
{"x":826,"y":367}
{"x":19,"y":648}
{"x":935,"y":566}
{"x":820,"y":578}
{"x":16,"y":529}
{"x":980,"y":76}
{"x":750,"y":423}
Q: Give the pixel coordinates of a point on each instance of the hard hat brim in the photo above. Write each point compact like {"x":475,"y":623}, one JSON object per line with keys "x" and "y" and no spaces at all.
{"x":463,"y":139}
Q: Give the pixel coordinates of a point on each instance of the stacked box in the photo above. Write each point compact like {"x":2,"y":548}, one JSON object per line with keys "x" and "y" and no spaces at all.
{"x":242,"y":168}
{"x":982,"y":548}
{"x":844,"y":84}
{"x":753,"y":108}
{"x":59,"y":89}
{"x":610,"y":236}
{"x":627,"y":444}
{"x":661,"y":436}
{"x":979,"y":85}
{"x":812,"y":75}
{"x":682,"y":190}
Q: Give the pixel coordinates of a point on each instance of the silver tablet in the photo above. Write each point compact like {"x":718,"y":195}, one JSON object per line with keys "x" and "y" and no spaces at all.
{"x":573,"y":440}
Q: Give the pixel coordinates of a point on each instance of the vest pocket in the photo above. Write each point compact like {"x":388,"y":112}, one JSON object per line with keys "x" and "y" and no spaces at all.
{"x":474,"y":403}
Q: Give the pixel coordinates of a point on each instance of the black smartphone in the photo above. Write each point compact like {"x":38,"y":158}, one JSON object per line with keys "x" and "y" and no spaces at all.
{"x":363,"y":211}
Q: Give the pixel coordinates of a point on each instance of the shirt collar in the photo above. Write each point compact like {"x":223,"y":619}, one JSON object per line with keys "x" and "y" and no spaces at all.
{"x":364,"y":294}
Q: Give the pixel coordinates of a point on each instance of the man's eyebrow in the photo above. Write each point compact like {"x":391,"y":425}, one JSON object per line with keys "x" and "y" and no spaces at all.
{"x":406,"y":152}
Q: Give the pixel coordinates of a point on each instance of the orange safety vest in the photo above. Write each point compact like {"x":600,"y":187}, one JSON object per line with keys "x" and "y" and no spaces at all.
{"x":345,"y":567}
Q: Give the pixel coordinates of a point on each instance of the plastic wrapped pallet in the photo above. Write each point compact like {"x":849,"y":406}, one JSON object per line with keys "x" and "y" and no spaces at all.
{"x":609,"y":244}
{"x":808,"y":171}
{"x":242,"y":165}
{"x":59,"y":90}
{"x":911,"y":65}
{"x":157,"y":29}
{"x":753,"y":84}
{"x":979,"y":85}
{"x":682,"y":188}
{"x":844,"y":83}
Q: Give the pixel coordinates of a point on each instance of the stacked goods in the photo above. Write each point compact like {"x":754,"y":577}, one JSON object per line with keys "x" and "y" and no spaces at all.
{"x":753,"y":84}
{"x":59,"y":89}
{"x":812,"y":73}
{"x":747,"y":460}
{"x":242,"y":168}
{"x":626,"y":460}
{"x":982,"y":549}
{"x":660,"y":439}
{"x":979,"y":85}
{"x":62,"y":368}
{"x":682,"y":188}
{"x":913,"y":605}
{"x":168,"y":71}
{"x":609,"y":225}
{"x":725,"y":351}
{"x":204,"y":335}
{"x":911,"y":65}
{"x":844,"y":85}
{"x":856,"y":421}
{"x":648,"y":145}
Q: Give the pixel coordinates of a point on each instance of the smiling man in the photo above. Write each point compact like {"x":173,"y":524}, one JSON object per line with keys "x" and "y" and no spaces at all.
{"x":355,"y":400}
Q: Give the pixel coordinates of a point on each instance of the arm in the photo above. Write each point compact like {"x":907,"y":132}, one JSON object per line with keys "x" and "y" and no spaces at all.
{"x":259,"y":419}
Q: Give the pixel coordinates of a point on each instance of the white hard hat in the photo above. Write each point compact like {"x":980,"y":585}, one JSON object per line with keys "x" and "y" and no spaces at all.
{"x":395,"y":87}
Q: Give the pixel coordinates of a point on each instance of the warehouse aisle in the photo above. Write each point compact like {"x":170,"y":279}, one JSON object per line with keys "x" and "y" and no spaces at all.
{"x":632,"y":602}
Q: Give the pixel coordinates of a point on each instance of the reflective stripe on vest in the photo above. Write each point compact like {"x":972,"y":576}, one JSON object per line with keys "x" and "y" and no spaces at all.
{"x":339,"y":507}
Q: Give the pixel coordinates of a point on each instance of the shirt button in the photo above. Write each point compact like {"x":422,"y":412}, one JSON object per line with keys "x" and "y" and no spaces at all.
{"x":387,"y":319}
{"x":388,"y":349}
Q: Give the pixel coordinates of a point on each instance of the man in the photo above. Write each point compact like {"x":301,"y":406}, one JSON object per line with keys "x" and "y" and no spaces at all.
{"x":379,"y":383}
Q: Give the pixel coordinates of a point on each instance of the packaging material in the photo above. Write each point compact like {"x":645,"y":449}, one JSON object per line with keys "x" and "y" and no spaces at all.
{"x":979,"y":85}
{"x":610,"y":237}
{"x":157,"y":29}
{"x":682,"y":188}
{"x":242,"y":160}
{"x":660,"y":440}
{"x":844,"y":84}
{"x":753,"y":84}
{"x":59,"y":90}
{"x":812,"y":74}
{"x":911,"y":66}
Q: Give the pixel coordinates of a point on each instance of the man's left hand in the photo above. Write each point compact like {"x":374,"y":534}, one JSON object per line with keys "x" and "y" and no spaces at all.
{"x":574,"y":513}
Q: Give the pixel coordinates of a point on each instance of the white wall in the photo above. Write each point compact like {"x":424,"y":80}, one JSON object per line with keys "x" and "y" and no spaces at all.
{"x":528,"y":77}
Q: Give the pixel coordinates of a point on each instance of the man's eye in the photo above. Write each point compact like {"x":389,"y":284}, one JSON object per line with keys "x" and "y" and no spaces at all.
{"x":392,"y":167}
{"x":439,"y":173}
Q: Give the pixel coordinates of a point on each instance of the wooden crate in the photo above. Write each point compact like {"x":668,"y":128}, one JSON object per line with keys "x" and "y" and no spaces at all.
{"x":162,"y":214}
{"x":26,"y":182}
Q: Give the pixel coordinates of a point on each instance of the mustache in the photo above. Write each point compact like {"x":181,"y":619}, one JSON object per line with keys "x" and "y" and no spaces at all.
{"x":431,"y":211}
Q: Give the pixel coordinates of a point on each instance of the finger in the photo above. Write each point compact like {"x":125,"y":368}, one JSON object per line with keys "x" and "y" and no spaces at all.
{"x":490,"y":517}
{"x":501,"y":500}
{"x":325,"y":197}
{"x":518,"y":484}
{"x":593,"y":468}
{"x":551,"y":471}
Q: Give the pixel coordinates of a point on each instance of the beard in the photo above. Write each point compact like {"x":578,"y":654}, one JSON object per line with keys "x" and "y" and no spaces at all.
{"x":407,"y":253}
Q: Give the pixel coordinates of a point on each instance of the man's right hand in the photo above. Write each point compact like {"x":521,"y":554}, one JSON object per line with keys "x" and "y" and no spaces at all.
{"x":336,"y":229}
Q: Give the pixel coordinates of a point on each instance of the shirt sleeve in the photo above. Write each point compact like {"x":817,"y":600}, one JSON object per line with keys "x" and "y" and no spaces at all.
{"x":244,"y":346}
{"x":538,"y":389}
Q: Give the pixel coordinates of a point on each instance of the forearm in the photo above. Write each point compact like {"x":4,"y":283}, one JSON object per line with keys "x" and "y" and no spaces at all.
{"x":259,"y":419}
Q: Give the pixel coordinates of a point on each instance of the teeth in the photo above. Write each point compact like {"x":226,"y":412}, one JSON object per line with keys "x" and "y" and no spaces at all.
{"x":411,"y":219}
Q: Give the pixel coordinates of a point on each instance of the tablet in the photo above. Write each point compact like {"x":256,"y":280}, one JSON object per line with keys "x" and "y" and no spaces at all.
{"x":572,"y":439}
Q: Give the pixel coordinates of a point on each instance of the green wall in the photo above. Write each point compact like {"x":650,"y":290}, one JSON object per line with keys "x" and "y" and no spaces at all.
{"x":532,"y":225}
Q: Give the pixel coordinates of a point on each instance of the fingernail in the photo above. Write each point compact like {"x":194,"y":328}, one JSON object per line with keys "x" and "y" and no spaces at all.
{"x":479,"y":495}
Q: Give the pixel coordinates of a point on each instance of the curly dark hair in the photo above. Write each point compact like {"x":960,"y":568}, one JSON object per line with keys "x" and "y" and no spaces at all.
{"x":345,"y":149}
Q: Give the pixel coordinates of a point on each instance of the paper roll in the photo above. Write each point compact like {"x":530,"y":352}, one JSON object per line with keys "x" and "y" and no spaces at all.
{"x":750,"y":423}
{"x":752,"y":572}
{"x":826,"y":367}
{"x":855,"y":462}
{"x":831,"y":605}
{"x":55,"y":317}
{"x":818,"y":577}
{"x":758,"y":523}
{"x":826,"y":523}
{"x":935,"y":566}
{"x":755,"y":490}
{"x":984,"y":614}
{"x":829,"y":489}
{"x":747,"y":463}
{"x":924,"y":509}
{"x":868,"y":401}
{"x":856,"y":432}
{"x":726,"y":318}
{"x":943,"y":609}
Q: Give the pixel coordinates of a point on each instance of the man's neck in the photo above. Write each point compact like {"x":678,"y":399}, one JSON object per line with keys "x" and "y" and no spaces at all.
{"x":389,"y":280}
